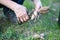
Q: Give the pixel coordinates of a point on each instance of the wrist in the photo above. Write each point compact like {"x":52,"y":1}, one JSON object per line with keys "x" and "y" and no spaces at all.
{"x":15,"y":7}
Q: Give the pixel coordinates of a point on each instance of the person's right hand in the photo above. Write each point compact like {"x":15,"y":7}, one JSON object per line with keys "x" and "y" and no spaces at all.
{"x":21,"y":13}
{"x":19,"y":10}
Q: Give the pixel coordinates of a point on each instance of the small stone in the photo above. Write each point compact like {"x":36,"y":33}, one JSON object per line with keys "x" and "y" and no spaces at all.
{"x":36,"y":36}
{"x":57,"y":19}
{"x":42,"y":35}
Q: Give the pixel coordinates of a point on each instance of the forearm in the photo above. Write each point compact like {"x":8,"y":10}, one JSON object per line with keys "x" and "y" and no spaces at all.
{"x":37,"y":4}
{"x":8,"y":3}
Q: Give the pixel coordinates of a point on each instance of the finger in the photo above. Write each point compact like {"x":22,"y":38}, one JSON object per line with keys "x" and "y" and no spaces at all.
{"x":21,"y":19}
{"x":24,"y":18}
{"x":32,"y":17}
{"x":27,"y":17}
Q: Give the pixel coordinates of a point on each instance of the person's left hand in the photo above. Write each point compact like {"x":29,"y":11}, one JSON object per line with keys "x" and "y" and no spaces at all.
{"x":36,"y":11}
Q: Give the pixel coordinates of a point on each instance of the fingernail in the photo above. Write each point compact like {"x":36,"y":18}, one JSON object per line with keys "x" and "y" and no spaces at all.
{"x":24,"y":19}
{"x":21,"y":20}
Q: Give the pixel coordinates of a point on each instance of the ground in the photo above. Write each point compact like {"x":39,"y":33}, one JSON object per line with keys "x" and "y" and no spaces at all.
{"x":46,"y":23}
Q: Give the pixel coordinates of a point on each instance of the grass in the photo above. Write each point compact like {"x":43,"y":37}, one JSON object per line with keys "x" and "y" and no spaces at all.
{"x":46,"y":24}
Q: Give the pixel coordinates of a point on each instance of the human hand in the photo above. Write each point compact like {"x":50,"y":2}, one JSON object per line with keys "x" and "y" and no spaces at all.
{"x":21,"y":13}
